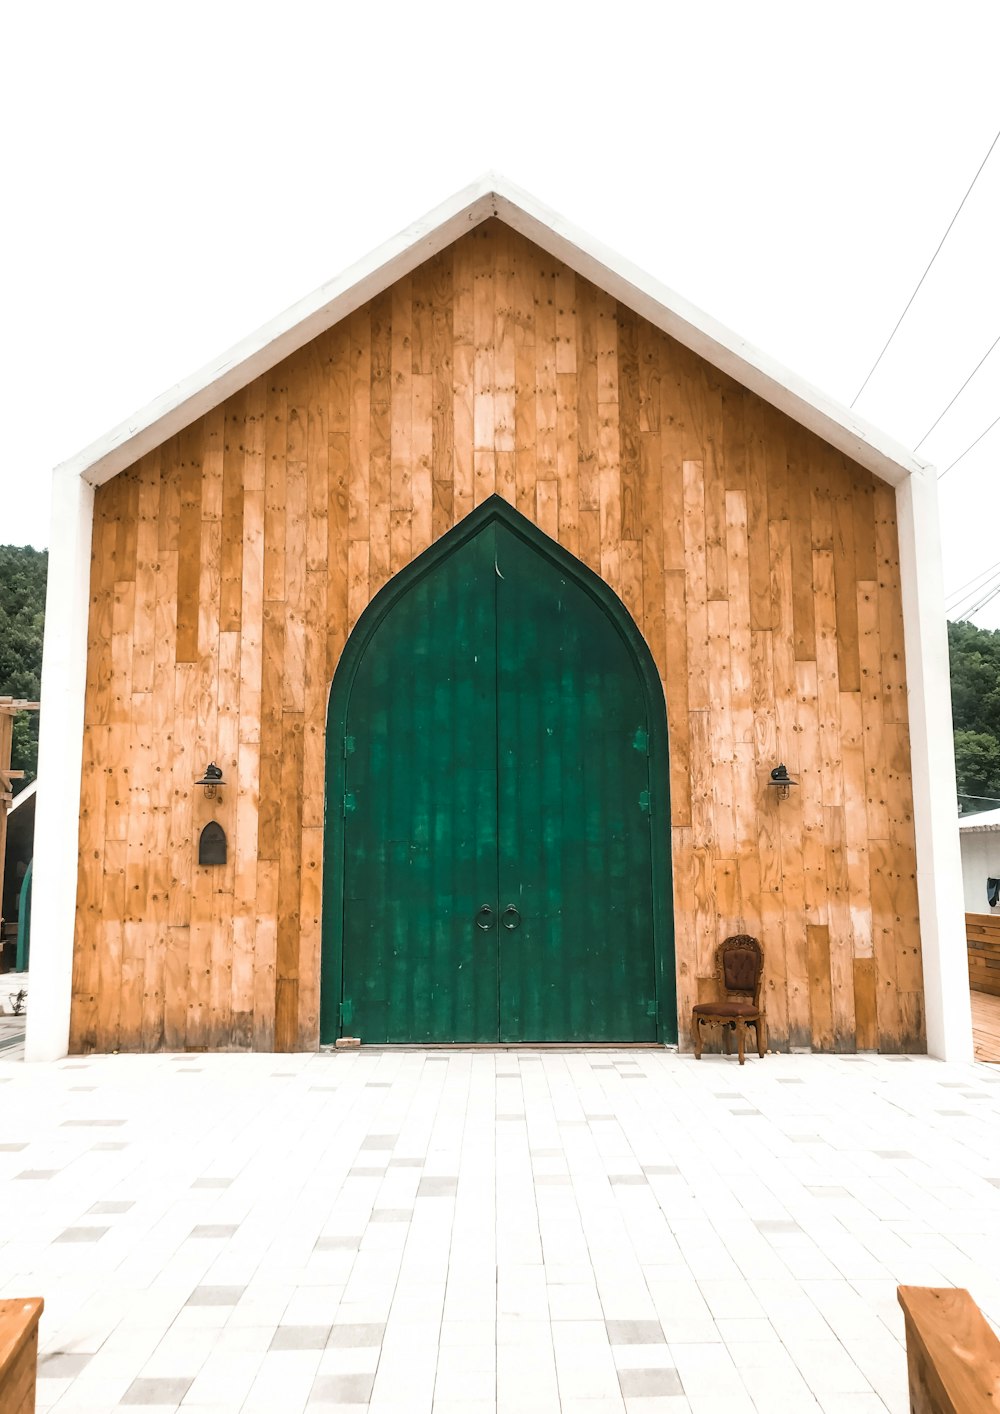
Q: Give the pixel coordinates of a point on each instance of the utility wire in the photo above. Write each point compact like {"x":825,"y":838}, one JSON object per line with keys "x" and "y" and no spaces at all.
{"x":970,"y":604}
{"x":958,"y":594}
{"x":969,"y":448}
{"x":973,"y":592}
{"x":967,"y":612}
{"x":988,"y":599}
{"x":962,"y":607}
{"x":961,"y":390}
{"x":923,"y":277}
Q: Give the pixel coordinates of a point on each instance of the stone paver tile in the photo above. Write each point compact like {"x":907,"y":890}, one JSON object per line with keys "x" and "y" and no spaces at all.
{"x":343,"y":1392}
{"x":61,"y":1365}
{"x":433,"y":1187}
{"x":157,"y":1391}
{"x":300,"y":1338}
{"x":635,"y":1332}
{"x":647,"y":1384}
{"x":215,"y":1295}
{"x":363,"y":1333}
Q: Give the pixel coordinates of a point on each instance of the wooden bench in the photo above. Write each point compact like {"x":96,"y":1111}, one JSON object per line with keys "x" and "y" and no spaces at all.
{"x":19,"y":1354}
{"x":952,"y":1355}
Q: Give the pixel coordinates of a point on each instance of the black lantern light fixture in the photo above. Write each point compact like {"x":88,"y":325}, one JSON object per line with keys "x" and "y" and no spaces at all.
{"x":211,"y":780}
{"x":781,"y":781}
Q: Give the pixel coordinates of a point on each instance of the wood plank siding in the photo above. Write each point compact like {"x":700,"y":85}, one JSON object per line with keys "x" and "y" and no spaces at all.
{"x":982,"y":931}
{"x":230,"y":565}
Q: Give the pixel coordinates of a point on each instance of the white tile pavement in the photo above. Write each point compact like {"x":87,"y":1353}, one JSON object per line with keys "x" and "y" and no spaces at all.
{"x":583,"y":1232}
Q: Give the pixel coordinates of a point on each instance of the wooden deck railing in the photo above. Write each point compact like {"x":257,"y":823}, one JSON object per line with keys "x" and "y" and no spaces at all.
{"x":982,"y":932}
{"x":952,"y":1355}
{"x":19,"y":1354}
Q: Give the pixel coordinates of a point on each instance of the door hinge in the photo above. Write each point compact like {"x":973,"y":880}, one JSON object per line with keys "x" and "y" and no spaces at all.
{"x":644,"y":802}
{"x":350,"y":804}
{"x":641,"y":740}
{"x":346,"y":1012}
{"x":348,"y":746}
{"x":653,"y":1009}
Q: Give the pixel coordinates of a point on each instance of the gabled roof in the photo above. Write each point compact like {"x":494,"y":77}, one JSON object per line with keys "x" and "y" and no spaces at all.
{"x":979,"y":823}
{"x":22,"y":798}
{"x":491,"y":196}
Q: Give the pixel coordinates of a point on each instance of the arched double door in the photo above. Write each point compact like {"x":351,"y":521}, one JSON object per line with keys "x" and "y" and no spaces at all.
{"x":497,"y":825}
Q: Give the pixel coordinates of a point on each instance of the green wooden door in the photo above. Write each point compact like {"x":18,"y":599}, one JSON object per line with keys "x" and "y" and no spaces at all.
{"x":490,"y":858}
{"x":575,"y":871}
{"x":420,"y":813}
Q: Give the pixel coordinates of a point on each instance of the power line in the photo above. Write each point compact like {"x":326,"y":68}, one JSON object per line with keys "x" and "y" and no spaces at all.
{"x":923,"y":277}
{"x":988,"y":599}
{"x":961,"y":390}
{"x":969,"y":448}
{"x":973,"y":590}
{"x":973,"y":596}
{"x":957,"y":595}
{"x":970,"y":603}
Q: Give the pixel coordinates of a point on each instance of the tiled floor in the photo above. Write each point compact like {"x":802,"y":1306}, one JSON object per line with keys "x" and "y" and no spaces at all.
{"x":588,"y":1232}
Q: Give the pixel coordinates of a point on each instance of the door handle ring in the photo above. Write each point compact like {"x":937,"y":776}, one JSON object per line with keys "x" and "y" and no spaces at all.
{"x":510,"y":913}
{"x":484,"y":918}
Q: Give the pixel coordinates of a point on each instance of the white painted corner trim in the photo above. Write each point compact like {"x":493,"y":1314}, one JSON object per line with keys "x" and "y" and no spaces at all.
{"x":60,"y":760}
{"x":940,"y":888}
{"x":492,"y":195}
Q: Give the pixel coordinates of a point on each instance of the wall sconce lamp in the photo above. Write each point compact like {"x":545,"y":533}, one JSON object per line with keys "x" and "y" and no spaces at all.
{"x":211,"y":780}
{"x":782,"y":782}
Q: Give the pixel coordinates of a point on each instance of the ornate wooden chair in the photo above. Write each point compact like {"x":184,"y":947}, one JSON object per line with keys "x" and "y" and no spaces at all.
{"x":740,"y":968}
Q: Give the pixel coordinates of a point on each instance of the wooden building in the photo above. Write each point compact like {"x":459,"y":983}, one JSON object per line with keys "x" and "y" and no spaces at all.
{"x":496,"y":580}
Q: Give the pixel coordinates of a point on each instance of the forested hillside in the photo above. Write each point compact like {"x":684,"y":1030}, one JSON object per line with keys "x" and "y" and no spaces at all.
{"x":975,"y":699}
{"x":22,"y":614}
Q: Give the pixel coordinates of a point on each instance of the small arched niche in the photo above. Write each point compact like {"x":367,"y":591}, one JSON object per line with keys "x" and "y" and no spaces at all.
{"x":212,"y":844}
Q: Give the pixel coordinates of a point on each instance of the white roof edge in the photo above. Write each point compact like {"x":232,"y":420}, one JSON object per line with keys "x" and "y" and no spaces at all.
{"x":22,"y":796}
{"x":491,"y":195}
{"x":982,"y":822}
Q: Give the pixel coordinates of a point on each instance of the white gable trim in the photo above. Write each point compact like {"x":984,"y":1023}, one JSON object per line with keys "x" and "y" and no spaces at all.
{"x":492,"y":195}
{"x":23,"y":797}
{"x":980,"y":823}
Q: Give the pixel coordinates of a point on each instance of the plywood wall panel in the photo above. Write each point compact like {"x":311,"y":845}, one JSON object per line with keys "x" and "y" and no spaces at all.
{"x":230,"y":564}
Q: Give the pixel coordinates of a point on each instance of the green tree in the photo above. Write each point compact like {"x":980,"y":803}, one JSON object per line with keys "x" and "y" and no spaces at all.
{"x":975,"y":700}
{"x":22,"y":617}
{"x":977,"y":764}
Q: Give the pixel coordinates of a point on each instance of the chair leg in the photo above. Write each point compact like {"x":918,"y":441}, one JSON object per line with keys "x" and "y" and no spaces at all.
{"x":726,"y":1038}
{"x":741,"y":1032}
{"x":698,"y":1039}
{"x":761,"y":1036}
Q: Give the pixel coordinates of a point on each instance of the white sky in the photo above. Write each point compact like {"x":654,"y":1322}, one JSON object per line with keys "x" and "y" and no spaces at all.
{"x":176,"y":175}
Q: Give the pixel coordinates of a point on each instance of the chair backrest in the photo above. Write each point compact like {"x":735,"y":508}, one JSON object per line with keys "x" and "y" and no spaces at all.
{"x":741,"y":965}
